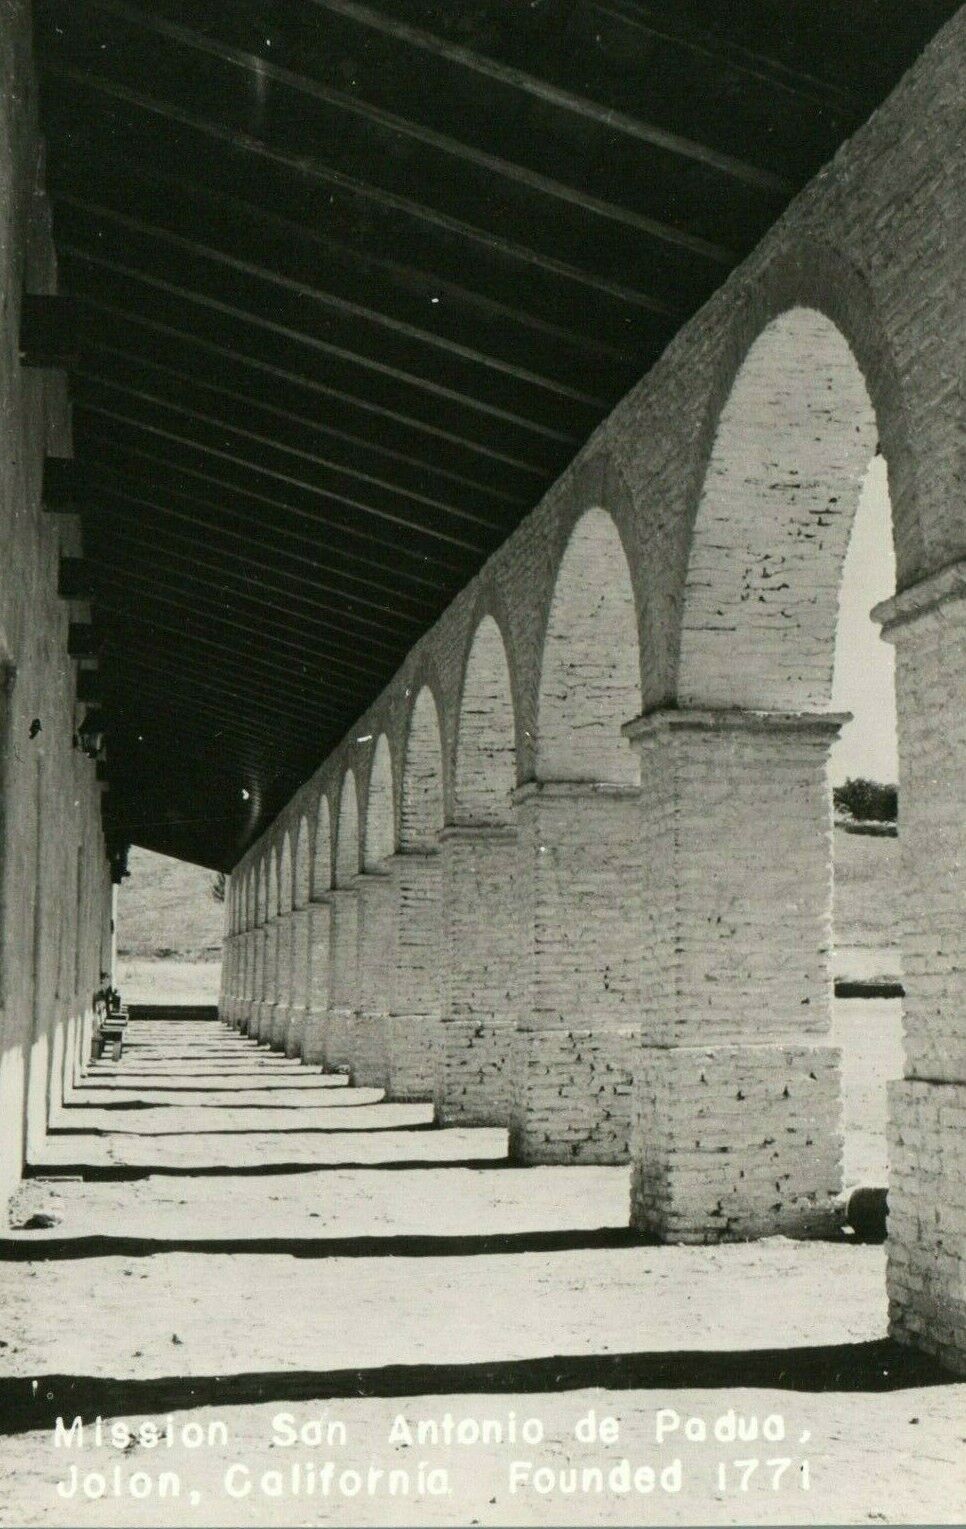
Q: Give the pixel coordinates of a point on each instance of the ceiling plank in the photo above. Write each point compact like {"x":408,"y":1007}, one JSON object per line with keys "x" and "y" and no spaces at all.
{"x":544,"y":90}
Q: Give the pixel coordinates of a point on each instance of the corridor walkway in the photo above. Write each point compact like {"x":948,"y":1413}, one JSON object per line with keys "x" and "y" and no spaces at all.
{"x":218,"y":1233}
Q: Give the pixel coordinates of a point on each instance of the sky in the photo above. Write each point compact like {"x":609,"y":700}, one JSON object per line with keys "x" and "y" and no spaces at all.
{"x":864,"y":681}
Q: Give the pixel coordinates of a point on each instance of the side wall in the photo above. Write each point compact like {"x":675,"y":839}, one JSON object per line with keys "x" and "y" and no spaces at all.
{"x":54,"y":931}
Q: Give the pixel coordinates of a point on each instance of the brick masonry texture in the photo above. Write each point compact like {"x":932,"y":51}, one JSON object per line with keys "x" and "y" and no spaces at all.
{"x":54,"y":881}
{"x":689,"y":559}
{"x":735,"y":1139}
{"x":480,"y":1006}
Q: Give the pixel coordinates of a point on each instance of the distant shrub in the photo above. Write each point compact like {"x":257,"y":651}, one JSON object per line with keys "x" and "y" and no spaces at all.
{"x":867,"y":800}
{"x":218,"y":887}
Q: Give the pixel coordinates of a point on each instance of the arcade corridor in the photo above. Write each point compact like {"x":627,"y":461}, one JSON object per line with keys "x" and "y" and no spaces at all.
{"x":432,"y":439}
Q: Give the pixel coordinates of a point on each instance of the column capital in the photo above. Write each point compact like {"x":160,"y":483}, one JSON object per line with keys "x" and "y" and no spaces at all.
{"x":565,"y":790}
{"x":820,"y":725}
{"x":489,"y":833}
{"x":921,"y":599}
{"x":376,"y":874}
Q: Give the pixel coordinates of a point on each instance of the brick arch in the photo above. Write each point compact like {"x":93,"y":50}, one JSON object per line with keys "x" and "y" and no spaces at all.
{"x":303,"y":864}
{"x":250,"y":899}
{"x":590,"y":671}
{"x":322,"y":848}
{"x":421,"y":814}
{"x":486,"y":745}
{"x":347,"y":832}
{"x":380,"y":836}
{"x":793,"y":444}
{"x":285,"y":884}
{"x":271,"y":892}
{"x":261,"y":892}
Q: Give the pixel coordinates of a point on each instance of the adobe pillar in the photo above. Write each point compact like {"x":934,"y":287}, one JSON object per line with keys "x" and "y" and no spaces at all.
{"x":415,"y":1023}
{"x":926,"y":1270}
{"x":737,"y":1130}
{"x":319,"y":923}
{"x":298,"y":983}
{"x":251,"y":980}
{"x":282,"y":1009}
{"x":343,"y":977}
{"x":246,"y":942}
{"x":257,"y":981}
{"x":225,"y":978}
{"x":377,"y":893}
{"x":481,"y":896}
{"x":579,"y":1023}
{"x":269,"y":980}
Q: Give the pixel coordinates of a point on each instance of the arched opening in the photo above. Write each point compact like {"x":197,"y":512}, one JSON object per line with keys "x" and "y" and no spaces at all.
{"x":380,"y":839}
{"x":303,"y":864}
{"x":579,"y":824}
{"x":285,"y":875}
{"x":322,"y":855}
{"x":319,"y":936}
{"x":793,"y":443}
{"x":590,"y":681}
{"x":414,"y":1031}
{"x":864,"y":776}
{"x":377,"y":926}
{"x":740,"y":824}
{"x":281,"y":994}
{"x":481,"y":884}
{"x":344,"y":971}
{"x":486,"y":737}
{"x":421,"y":817}
{"x":347,"y":833}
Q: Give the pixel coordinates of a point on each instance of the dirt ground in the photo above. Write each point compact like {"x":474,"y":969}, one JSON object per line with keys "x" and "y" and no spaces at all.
{"x":143,"y":980}
{"x":269,"y":1279}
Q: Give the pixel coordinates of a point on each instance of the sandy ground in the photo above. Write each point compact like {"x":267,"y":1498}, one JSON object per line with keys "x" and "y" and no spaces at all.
{"x":869,"y":1031}
{"x":142,"y":980}
{"x":484,"y":1292}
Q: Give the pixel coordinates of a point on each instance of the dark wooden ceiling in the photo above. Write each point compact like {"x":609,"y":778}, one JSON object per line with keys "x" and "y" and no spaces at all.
{"x":354,"y":282}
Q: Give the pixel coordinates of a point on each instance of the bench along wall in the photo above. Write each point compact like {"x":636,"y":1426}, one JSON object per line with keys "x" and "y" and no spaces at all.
{"x":661,"y":675}
{"x":54,"y":878}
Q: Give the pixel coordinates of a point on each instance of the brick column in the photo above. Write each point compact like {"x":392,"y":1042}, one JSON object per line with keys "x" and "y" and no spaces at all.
{"x":926,"y":1274}
{"x":251,"y":977}
{"x":481,"y":906}
{"x":737,"y":1129}
{"x":234,"y":980}
{"x":416,"y":1022}
{"x":319,"y":920}
{"x":579,"y":1023}
{"x":298,"y":983}
{"x":282,"y":1010}
{"x":269,"y":980}
{"x":378,"y":910}
{"x":225,"y":984}
{"x":257,"y":981}
{"x":224,"y":987}
{"x":248,"y":957}
{"x":343,"y":977}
